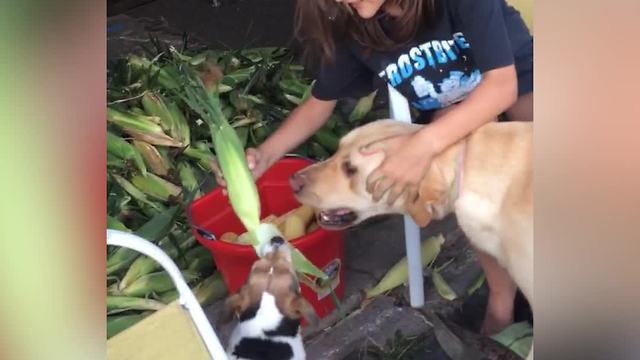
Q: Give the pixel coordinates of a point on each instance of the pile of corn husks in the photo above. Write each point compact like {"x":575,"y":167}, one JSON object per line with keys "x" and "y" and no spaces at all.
{"x":159,"y":154}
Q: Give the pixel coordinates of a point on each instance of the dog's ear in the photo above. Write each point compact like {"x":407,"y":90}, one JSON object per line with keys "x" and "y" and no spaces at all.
{"x":430,"y":191}
{"x":234,"y":305}
{"x":299,"y":307}
{"x":419,"y":213}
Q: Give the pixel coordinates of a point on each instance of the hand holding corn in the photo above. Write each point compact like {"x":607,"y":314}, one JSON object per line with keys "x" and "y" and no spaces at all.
{"x":256,"y":162}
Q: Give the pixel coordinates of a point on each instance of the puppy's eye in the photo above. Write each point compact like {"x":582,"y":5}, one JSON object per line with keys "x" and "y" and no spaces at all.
{"x":349,"y":169}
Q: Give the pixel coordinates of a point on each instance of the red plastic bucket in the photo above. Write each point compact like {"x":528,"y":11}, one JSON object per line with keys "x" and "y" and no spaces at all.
{"x":212,"y":215}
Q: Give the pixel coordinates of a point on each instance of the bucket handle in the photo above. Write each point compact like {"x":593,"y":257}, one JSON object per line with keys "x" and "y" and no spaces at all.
{"x":202,"y":232}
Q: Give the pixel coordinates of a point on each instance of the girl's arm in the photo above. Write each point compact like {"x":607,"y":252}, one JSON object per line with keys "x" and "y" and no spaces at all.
{"x":303,"y":121}
{"x":409,"y":157}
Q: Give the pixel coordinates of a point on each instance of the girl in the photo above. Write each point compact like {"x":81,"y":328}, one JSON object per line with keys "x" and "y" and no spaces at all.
{"x":461,"y":63}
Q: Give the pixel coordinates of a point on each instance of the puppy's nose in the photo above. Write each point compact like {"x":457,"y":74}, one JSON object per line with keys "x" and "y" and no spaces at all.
{"x":277,"y":241}
{"x":297,"y":182}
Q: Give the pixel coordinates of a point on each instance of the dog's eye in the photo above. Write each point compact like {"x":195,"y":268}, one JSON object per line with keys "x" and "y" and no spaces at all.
{"x":349,"y":169}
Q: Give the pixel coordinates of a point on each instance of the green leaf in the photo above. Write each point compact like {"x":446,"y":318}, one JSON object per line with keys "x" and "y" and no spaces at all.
{"x":363,"y":107}
{"x":160,"y":225}
{"x":113,"y":223}
{"x":442,"y":287}
{"x":303,"y":265}
{"x":513,"y":333}
{"x":476,"y":284}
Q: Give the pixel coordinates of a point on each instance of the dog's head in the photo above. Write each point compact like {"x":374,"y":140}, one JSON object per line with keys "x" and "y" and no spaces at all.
{"x":337,"y":186}
{"x":272,"y":289}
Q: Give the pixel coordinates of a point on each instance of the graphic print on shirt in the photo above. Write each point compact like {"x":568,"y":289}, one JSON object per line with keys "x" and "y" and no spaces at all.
{"x":440,"y":72}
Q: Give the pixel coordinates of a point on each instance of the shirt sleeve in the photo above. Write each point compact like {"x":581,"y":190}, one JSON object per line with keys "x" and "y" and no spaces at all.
{"x":344,"y":76}
{"x":485,"y":30}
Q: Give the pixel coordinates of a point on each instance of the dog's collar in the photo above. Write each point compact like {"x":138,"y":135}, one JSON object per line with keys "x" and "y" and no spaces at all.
{"x":456,"y":186}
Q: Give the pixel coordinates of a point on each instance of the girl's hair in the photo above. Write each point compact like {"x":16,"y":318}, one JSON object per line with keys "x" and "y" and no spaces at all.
{"x":318,"y":23}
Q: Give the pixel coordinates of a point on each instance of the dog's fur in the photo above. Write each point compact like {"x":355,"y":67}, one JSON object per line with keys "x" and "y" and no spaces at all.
{"x":494,"y":206}
{"x":269,"y":308}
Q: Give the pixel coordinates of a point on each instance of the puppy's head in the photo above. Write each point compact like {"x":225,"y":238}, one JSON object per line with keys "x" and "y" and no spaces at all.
{"x":337,"y":186}
{"x":273,"y":274}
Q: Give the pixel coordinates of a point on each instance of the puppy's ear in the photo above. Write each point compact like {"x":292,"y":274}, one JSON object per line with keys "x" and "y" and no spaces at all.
{"x":234,"y":305}
{"x":299,"y":307}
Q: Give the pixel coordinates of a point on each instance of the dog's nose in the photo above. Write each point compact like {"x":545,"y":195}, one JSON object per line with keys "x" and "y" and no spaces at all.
{"x":277,"y":241}
{"x":297,"y":182}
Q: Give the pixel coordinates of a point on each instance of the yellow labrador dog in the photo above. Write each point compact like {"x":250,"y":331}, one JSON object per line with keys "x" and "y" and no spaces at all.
{"x":485,"y":179}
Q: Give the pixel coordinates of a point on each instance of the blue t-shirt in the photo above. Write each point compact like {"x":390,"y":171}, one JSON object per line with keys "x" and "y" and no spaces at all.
{"x":441,"y":65}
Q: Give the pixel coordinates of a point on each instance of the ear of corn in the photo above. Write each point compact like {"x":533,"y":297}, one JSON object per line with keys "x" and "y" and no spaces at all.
{"x":156,"y":187}
{"x":363,"y":107}
{"x":155,"y":105}
{"x":115,"y":224}
{"x":200,"y":261}
{"x":154,"y":138}
{"x":180,"y":130}
{"x":122,"y":149}
{"x":241,"y":187}
{"x":134,"y":191}
{"x":152,"y":157}
{"x":132,"y":303}
{"x":204,"y":157}
{"x":153,"y":230}
{"x":118,"y":323}
{"x":210,"y":290}
{"x":188,"y":177}
{"x":164,"y":78}
{"x":168,"y":296}
{"x":327,"y":139}
{"x":141,"y":127}
{"x":120,"y":259}
{"x":398,"y":274}
{"x":131,"y":121}
{"x":155,"y":283}
{"x":144,"y":265}
{"x":138,"y":111}
{"x":115,"y":162}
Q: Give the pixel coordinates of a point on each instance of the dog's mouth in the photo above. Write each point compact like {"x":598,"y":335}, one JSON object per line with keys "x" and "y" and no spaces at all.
{"x":335,"y":219}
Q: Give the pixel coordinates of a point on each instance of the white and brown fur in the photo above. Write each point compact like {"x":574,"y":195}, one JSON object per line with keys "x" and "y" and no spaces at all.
{"x":269,"y":308}
{"x":494,"y":206}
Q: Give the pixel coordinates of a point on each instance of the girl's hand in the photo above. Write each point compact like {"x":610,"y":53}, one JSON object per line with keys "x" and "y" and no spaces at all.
{"x":407,"y":160}
{"x":258,"y":164}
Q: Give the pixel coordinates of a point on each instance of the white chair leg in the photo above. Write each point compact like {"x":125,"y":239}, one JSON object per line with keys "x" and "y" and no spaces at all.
{"x":186,"y":298}
{"x":399,"y":110}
